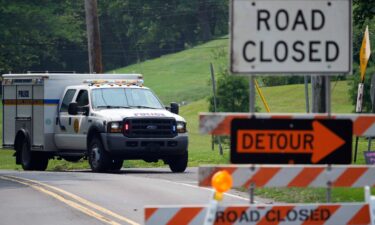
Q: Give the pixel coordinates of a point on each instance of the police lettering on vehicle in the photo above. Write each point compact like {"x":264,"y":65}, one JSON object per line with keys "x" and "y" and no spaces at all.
{"x":150,"y":114}
{"x":23,"y":94}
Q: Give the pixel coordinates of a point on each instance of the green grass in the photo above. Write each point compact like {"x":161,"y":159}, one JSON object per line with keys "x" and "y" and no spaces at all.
{"x":181,"y":76}
{"x":291,"y":98}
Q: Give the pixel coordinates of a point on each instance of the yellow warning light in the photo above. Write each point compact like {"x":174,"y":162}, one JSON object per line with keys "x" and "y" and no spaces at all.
{"x":222,"y":181}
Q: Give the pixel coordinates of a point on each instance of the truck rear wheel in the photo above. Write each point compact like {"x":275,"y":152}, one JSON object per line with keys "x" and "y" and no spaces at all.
{"x":99,"y":159}
{"x":178,"y":164}
{"x":32,"y":160}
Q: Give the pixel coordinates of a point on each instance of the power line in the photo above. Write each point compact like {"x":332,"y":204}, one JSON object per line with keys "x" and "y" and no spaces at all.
{"x":132,"y":8}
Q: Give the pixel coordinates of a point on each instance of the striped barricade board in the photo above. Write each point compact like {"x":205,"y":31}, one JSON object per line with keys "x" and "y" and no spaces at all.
{"x":306,"y":214}
{"x":292,"y":175}
{"x":220,"y":123}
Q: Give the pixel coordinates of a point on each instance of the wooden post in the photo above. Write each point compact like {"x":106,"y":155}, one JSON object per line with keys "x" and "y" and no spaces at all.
{"x":318,"y":94}
{"x":93,"y":37}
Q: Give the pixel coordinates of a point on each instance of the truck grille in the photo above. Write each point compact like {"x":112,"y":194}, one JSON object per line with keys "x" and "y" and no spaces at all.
{"x":150,"y":127}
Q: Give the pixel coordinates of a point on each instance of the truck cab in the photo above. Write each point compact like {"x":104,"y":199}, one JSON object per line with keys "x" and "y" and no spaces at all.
{"x":106,"y":120}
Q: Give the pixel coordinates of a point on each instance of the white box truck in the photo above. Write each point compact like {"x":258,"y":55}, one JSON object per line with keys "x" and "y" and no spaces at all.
{"x":106,"y":118}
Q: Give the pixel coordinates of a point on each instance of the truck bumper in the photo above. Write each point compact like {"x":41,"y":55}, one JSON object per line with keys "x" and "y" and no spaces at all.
{"x":144,"y":148}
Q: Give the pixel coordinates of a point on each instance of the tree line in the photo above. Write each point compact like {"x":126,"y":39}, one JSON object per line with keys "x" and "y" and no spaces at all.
{"x":50,"y":35}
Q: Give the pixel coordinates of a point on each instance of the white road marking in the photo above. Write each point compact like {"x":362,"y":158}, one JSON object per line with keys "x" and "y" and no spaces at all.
{"x":39,"y":186}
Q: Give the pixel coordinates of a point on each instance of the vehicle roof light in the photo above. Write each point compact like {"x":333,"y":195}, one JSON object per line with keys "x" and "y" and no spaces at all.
{"x":112,"y":82}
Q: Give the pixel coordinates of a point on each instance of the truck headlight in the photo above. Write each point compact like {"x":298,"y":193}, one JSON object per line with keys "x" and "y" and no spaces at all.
{"x":114,"y":127}
{"x":181,"y":127}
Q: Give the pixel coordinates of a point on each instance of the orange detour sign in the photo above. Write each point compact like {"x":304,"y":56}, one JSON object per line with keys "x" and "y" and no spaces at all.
{"x":291,"y":141}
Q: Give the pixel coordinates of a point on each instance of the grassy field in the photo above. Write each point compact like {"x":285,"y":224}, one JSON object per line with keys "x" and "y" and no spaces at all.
{"x":181,"y":76}
{"x":291,"y":98}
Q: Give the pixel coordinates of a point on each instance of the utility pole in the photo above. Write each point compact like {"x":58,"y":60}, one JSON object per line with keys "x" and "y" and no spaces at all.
{"x":318,"y":86}
{"x":93,"y":37}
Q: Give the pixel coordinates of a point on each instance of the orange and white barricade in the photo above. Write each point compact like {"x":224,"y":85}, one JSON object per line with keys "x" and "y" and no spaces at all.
{"x":247,"y":176}
{"x":296,"y":214}
{"x":219,"y":123}
{"x":292,"y":175}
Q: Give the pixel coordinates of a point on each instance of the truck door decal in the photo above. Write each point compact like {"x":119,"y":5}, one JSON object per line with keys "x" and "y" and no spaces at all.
{"x":76,"y":125}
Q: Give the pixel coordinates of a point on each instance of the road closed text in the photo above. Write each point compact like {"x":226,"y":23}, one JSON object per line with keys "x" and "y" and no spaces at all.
{"x":275,"y":215}
{"x":296,"y":50}
{"x":293,"y":36}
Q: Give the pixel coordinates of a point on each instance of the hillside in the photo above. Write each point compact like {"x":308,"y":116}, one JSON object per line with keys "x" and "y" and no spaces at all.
{"x":179,"y":77}
{"x":291,"y":98}
{"x":185,"y":76}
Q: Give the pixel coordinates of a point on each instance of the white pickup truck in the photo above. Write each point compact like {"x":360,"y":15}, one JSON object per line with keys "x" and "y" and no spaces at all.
{"x":106,"y":118}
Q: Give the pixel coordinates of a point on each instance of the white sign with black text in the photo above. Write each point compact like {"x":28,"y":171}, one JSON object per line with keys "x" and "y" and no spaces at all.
{"x":291,"y":36}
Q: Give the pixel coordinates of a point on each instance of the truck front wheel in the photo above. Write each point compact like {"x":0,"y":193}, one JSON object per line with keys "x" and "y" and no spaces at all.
{"x":99,"y":159}
{"x":116,"y":164}
{"x":32,"y":160}
{"x":178,"y":164}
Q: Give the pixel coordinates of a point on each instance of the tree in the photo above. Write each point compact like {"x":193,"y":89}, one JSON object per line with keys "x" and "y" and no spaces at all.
{"x":232,"y":92}
{"x":34,"y":35}
{"x":363,"y":13}
{"x":363,"y":10}
{"x":51,"y":35}
{"x":134,"y":31}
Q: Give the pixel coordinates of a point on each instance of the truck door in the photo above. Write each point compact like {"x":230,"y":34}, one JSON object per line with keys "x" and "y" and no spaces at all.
{"x":63,"y":128}
{"x":72,"y":129}
{"x":79,"y":123}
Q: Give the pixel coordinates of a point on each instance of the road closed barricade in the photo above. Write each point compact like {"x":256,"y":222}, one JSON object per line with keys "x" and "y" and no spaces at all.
{"x":285,"y":147}
{"x":248,"y":176}
{"x":306,"y":214}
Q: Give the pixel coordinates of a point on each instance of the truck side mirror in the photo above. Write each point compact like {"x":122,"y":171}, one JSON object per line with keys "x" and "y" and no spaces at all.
{"x":174,"y":108}
{"x":86,"y":110}
{"x":73,"y":108}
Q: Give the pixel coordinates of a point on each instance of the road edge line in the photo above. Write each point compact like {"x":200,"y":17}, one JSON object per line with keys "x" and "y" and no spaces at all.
{"x":77,"y":198}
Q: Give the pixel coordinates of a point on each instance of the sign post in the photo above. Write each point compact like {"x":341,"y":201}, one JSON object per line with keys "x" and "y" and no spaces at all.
{"x":364,"y":56}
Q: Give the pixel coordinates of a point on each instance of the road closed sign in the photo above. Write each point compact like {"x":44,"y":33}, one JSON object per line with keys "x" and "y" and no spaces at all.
{"x":291,"y":141}
{"x":291,"y":36}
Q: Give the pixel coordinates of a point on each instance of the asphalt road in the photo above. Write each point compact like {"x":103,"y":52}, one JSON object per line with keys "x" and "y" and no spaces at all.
{"x":82,"y":197}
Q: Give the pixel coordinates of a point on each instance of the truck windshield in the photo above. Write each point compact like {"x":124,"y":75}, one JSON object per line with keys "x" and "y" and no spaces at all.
{"x":125,"y":98}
